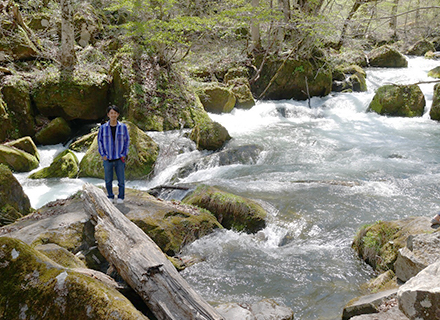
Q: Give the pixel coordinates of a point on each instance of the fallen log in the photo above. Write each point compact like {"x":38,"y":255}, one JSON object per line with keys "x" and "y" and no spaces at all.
{"x":142,"y":264}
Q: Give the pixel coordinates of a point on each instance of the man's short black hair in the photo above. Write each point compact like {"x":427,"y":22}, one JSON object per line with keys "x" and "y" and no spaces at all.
{"x":113,"y":107}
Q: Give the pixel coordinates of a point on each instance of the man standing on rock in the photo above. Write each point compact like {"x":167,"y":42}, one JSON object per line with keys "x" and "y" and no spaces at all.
{"x":113,"y":142}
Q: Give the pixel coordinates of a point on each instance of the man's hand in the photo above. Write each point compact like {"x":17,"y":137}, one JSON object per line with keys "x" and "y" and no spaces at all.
{"x":104,"y":158}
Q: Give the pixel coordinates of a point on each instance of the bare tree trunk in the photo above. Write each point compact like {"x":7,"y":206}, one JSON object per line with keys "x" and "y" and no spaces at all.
{"x":353,"y":10}
{"x":67,"y":55}
{"x":393,"y":21}
{"x":255,"y":30}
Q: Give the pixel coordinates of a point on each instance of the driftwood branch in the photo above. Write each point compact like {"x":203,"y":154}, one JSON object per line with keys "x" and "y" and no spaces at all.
{"x":141,"y":263}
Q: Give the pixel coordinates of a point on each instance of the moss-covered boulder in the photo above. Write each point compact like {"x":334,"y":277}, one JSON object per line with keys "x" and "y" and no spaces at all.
{"x":287,"y":78}
{"x":14,"y":203}
{"x":398,"y":101}
{"x":378,"y":244}
{"x":216,"y":98}
{"x":35,"y":287}
{"x":64,"y":165}
{"x":6,"y":129}
{"x":386,"y":56}
{"x":232,"y":211}
{"x":420,"y":48}
{"x":434,"y":73}
{"x":16,"y":95}
{"x":210,"y":135}
{"x":170,"y":224}
{"x":235,"y":73}
{"x":60,"y":255}
{"x":241,"y":89}
{"x":17,"y":160}
{"x":82,"y":94}
{"x":359,"y":84}
{"x":26,"y":144}
{"x":434,"y":113}
{"x":142,"y":155}
{"x":56,"y":131}
{"x":82,"y":144}
{"x":159,"y":100}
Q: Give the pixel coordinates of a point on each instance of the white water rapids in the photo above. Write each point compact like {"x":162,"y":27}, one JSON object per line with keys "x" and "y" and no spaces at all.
{"x":323,"y":173}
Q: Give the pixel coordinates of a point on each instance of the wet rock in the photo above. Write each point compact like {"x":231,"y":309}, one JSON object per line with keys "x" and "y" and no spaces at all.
{"x":358,"y":82}
{"x":35,"y":287}
{"x":232,"y":211}
{"x":56,"y":131}
{"x":142,"y":155}
{"x":420,"y":48}
{"x":14,"y":203}
{"x":367,"y":304}
{"x":82,"y":144}
{"x":65,"y":164}
{"x":419,"y":297}
{"x":17,"y":160}
{"x":217,"y":98}
{"x":434,"y":113}
{"x":386,"y":56}
{"x":264,"y":310}
{"x":26,"y":144}
{"x":241,"y":89}
{"x":232,"y":311}
{"x":435,"y":73}
{"x":210,"y":135}
{"x":421,"y":250}
{"x":398,"y":101}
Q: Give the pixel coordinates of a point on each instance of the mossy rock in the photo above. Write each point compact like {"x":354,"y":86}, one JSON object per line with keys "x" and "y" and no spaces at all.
{"x":378,"y":244}
{"x":65,"y":164}
{"x":170,"y":224}
{"x":241,"y":89}
{"x":56,"y":131}
{"x":353,"y":69}
{"x":18,"y":45}
{"x":6,"y":129}
{"x":359,"y":83}
{"x":434,"y":113}
{"x":142,"y":155}
{"x":82,"y":94}
{"x":386,"y":56}
{"x":17,"y":160}
{"x":235,"y":73}
{"x":16,"y":95}
{"x":83,"y":143}
{"x":26,"y":144}
{"x":232,"y":211}
{"x":217,"y":98}
{"x":210,"y":135}
{"x":398,"y":101}
{"x":434,"y":73}
{"x":14,"y":203}
{"x":282,"y":78}
{"x":420,"y":48}
{"x":35,"y":287}
{"x":60,"y":255}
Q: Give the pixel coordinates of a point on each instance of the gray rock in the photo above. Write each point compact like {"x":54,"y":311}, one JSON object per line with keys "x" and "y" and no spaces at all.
{"x":367,"y":304}
{"x":233,"y":311}
{"x":419,"y":298}
{"x":421,"y":251}
{"x":392,"y":314}
{"x":270,"y":310}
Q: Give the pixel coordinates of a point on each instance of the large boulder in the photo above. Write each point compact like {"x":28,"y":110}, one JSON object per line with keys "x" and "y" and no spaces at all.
{"x":64,"y":165}
{"x":217,"y":98}
{"x":287,"y":78}
{"x":56,"y":131}
{"x":78,"y":95}
{"x":14,"y":203}
{"x":232,"y":211}
{"x":26,"y":144}
{"x":83,"y":143}
{"x":434,"y":113}
{"x":241,"y":89}
{"x":398,"y":101}
{"x":142,"y":155}
{"x":421,"y":250}
{"x":419,"y":298}
{"x":35,"y":287}
{"x":386,"y":56}
{"x":16,"y":95}
{"x":17,"y":160}
{"x":378,"y":244}
{"x":420,"y":48}
{"x":210,"y":135}
{"x":159,"y":100}
{"x":434,"y":73}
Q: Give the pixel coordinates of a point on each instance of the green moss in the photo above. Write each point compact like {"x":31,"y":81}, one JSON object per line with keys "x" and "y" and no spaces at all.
{"x":232,"y":211}
{"x":434,"y":73}
{"x":64,"y":165}
{"x":17,"y":160}
{"x":434,"y":113}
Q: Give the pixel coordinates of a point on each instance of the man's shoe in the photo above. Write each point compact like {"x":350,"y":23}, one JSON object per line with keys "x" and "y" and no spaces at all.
{"x":120,"y":201}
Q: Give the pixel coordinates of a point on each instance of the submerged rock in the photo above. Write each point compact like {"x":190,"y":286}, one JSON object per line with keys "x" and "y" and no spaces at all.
{"x":35,"y":287}
{"x":14,"y":203}
{"x":232,"y":211}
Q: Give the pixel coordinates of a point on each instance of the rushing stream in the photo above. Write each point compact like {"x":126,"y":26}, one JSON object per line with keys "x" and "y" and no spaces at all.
{"x":323,"y":173}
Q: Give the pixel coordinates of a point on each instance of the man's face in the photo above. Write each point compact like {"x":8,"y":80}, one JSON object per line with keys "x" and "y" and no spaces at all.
{"x":112,"y":115}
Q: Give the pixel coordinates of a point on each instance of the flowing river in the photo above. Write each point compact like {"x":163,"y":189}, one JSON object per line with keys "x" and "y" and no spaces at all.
{"x":323,"y":173}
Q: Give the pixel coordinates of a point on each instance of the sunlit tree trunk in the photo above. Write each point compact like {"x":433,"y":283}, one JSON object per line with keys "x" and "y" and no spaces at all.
{"x":357,"y":4}
{"x":255,"y":29}
{"x":393,"y":21}
{"x":67,"y":55}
